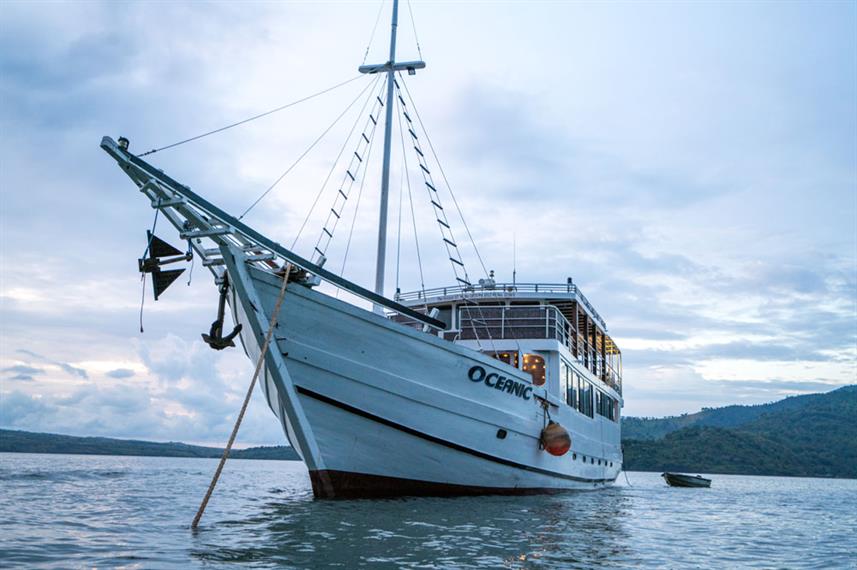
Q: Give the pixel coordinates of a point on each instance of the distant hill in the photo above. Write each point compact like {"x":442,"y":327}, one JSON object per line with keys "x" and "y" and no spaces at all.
{"x":726,"y":417}
{"x":813,"y":435}
{"x":30,"y":442}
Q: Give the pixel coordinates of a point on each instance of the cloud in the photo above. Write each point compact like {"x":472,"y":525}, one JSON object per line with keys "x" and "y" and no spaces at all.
{"x":120,"y":373}
{"x":65,"y":366}
{"x":22,"y":373}
{"x":187,"y":393}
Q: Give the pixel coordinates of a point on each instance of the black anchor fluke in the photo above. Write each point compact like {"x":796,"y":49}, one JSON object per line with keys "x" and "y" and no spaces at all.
{"x":215,"y":338}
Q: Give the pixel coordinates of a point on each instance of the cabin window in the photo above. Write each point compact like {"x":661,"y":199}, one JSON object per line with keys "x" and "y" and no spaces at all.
{"x":575,"y":390}
{"x":606,"y":406}
{"x":509,"y":357}
{"x":535,"y":365}
{"x":585,"y":389}
{"x":566,"y":383}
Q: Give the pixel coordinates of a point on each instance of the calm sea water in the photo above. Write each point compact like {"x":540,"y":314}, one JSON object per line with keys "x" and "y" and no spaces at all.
{"x":68,"y":511}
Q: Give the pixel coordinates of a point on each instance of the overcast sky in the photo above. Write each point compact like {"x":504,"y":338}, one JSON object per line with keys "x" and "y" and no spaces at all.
{"x":692,"y":165}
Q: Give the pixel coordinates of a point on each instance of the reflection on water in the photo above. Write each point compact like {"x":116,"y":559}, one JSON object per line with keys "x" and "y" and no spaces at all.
{"x":62,"y":511}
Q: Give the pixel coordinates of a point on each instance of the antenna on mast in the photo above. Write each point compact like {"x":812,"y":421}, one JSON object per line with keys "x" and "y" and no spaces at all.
{"x":390,"y":68}
{"x":514,"y":257}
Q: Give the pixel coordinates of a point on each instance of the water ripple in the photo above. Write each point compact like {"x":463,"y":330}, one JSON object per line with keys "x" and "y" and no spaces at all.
{"x":135,"y":512}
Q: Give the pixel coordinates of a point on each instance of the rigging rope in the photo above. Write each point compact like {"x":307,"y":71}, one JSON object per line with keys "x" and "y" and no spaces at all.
{"x":445,"y":228}
{"x":443,"y":174}
{"x":414,"y":25}
{"x":399,"y":230}
{"x":375,"y":27}
{"x":315,"y":142}
{"x":333,"y":166}
{"x":411,"y":203}
{"x":341,"y":198}
{"x":357,"y":206}
{"x":145,"y":253}
{"x":261,"y":361}
{"x":253,"y":118}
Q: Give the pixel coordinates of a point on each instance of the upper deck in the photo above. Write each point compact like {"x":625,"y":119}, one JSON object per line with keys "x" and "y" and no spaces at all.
{"x":488,"y":289}
{"x":525,"y":311}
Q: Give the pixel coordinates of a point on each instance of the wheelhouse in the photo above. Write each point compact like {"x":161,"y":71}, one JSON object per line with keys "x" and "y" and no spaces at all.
{"x":550,"y":331}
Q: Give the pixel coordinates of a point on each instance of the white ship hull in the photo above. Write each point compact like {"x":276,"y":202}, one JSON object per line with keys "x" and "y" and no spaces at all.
{"x":378,"y":409}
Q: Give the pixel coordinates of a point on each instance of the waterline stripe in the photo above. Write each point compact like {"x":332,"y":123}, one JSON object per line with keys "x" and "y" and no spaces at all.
{"x":439,"y":441}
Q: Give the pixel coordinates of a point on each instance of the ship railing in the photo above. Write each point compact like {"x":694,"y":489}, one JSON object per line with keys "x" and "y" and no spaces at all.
{"x":500,"y":290}
{"x":519,"y":322}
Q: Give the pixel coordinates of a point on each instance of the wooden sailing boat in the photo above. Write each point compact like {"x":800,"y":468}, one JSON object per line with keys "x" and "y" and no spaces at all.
{"x":469,"y":389}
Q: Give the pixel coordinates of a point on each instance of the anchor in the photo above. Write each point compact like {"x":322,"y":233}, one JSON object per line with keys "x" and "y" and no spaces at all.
{"x":215,"y":338}
{"x":161,"y":253}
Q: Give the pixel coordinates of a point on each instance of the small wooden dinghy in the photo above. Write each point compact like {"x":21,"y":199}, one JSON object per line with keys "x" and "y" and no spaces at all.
{"x":680,"y":480}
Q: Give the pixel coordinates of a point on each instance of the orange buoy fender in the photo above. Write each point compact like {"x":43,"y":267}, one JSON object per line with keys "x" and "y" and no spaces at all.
{"x":555,"y":439}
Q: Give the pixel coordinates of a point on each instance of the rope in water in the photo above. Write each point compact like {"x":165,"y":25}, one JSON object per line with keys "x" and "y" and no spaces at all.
{"x":195,"y":523}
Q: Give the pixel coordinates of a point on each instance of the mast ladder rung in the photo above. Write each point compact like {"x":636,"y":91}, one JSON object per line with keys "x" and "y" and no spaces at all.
{"x":327,"y":231}
{"x":429,"y":184}
{"x":413,"y":134}
{"x":332,"y":211}
{"x":344,"y":195}
{"x":444,"y":224}
{"x":365,"y":138}
{"x":371,"y":118}
{"x":464,"y":281}
{"x":425,"y":168}
{"x":438,"y":206}
{"x":419,"y":152}
{"x":407,"y":117}
{"x":452,"y":243}
{"x":358,"y":156}
{"x":402,"y":101}
{"x":378,"y":97}
{"x":192,"y":234}
{"x":452,"y":259}
{"x":348,"y":172}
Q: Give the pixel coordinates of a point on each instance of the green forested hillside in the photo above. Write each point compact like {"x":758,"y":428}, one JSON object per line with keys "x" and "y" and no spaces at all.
{"x":803,"y":436}
{"x":30,"y":442}
{"x":726,"y":417}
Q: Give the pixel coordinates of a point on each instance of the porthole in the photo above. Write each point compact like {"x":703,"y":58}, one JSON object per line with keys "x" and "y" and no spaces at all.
{"x":501,"y":433}
{"x":574,"y":456}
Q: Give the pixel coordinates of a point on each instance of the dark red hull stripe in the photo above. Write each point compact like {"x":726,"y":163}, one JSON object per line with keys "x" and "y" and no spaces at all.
{"x":330,"y":484}
{"x":443,"y":442}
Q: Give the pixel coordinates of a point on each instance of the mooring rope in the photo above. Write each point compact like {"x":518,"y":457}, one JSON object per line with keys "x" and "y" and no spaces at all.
{"x":287,"y":269}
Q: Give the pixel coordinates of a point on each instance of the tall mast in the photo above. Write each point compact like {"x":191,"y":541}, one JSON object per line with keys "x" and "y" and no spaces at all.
{"x":385,"y":169}
{"x":390,"y":68}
